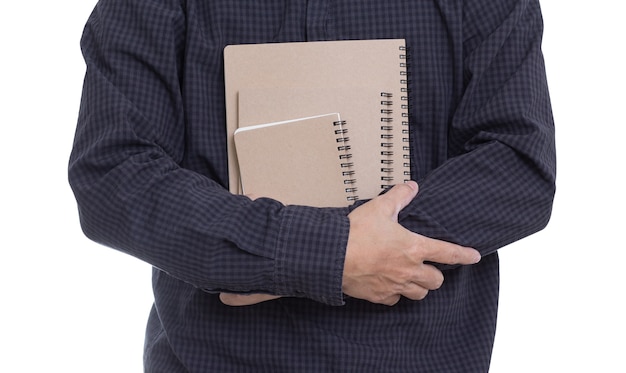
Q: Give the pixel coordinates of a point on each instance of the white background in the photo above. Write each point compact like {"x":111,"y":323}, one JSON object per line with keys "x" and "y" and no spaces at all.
{"x":69,"y":305}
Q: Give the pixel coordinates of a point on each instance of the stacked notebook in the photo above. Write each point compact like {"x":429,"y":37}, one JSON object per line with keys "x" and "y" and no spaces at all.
{"x":317,"y":123}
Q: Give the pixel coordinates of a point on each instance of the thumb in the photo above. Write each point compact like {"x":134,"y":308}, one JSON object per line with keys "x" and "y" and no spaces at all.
{"x":401,"y":195}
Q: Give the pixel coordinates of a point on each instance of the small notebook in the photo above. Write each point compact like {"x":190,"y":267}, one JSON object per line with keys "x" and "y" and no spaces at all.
{"x":344,"y":71}
{"x":304,"y":161}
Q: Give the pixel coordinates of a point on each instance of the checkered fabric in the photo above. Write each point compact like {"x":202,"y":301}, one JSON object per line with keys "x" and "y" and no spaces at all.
{"x":149,"y":171}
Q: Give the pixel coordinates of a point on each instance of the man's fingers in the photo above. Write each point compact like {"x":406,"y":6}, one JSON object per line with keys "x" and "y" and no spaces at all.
{"x":401,"y":195}
{"x":448,"y":253}
{"x":415,"y":292}
{"x":389,"y":301}
{"x":428,"y":277}
{"x":411,"y":291}
{"x":245,"y":299}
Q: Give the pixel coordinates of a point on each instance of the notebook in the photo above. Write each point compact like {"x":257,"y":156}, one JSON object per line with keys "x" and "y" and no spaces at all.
{"x":305,"y":161}
{"x":281,"y":81}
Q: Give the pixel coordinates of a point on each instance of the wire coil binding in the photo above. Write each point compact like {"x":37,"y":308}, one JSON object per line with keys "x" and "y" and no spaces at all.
{"x":344,"y":156}
{"x":405,"y":107}
{"x":387,"y":127}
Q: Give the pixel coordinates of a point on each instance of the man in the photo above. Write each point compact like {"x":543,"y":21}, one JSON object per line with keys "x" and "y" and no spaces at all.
{"x":405,"y":282}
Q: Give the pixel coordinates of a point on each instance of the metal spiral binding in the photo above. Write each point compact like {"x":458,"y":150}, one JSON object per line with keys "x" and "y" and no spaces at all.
{"x":404,"y":98}
{"x":387,"y":127}
{"x":344,"y":155}
{"x":386,"y":136}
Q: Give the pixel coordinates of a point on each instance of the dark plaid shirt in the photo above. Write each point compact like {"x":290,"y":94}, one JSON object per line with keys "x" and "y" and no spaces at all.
{"x":149,"y":171}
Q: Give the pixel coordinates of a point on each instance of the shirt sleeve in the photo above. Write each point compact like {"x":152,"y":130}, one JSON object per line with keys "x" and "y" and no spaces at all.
{"x":133,"y":194}
{"x":498,"y":183}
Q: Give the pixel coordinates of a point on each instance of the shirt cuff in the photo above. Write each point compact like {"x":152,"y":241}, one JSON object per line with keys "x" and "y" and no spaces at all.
{"x":310,"y":255}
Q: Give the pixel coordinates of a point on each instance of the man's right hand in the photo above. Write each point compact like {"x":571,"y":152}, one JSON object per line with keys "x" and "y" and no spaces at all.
{"x":385,"y":261}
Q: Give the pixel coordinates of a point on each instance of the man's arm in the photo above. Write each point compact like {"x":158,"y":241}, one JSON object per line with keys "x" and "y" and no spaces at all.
{"x":138,"y":192}
{"x":499,"y":181}
{"x":385,"y":261}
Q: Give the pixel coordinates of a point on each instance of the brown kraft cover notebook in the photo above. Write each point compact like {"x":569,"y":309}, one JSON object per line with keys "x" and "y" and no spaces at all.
{"x":305,"y":161}
{"x":296,"y":80}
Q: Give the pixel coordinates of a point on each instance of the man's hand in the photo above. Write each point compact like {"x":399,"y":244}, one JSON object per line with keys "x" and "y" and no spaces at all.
{"x":245,"y":299}
{"x":385,"y":261}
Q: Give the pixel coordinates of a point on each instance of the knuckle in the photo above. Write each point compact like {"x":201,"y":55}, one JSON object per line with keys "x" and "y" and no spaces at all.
{"x":392,"y":301}
{"x":436,"y":281}
{"x":453,"y":256}
{"x":420,"y":295}
{"x":377,"y":297}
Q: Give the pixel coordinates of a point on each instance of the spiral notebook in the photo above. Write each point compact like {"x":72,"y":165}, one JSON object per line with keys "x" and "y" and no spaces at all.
{"x":363,"y":80}
{"x":305,"y":161}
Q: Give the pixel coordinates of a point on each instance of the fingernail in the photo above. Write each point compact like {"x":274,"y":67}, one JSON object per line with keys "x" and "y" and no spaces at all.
{"x":477,"y":257}
{"x":411,"y":184}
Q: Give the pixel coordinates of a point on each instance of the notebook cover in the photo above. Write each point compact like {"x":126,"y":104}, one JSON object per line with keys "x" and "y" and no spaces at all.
{"x":297,"y":161}
{"x":352,"y":64}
